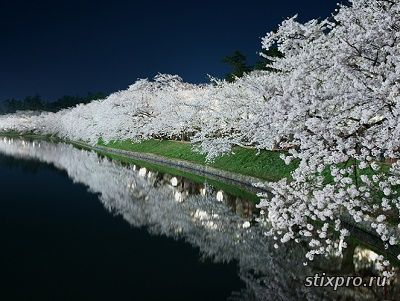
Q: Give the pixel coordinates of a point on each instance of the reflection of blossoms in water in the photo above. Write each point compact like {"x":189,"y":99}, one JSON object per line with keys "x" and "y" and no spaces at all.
{"x":173,"y":207}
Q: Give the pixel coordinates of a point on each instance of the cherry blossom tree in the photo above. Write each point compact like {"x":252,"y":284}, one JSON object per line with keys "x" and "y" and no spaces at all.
{"x":336,"y":107}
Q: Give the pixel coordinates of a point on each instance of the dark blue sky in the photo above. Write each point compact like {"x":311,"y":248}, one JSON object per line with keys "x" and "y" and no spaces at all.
{"x":72,"y":47}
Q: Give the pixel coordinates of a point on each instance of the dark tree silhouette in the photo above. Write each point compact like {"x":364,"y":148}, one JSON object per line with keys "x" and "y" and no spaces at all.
{"x":36,"y":103}
{"x":237,"y":61}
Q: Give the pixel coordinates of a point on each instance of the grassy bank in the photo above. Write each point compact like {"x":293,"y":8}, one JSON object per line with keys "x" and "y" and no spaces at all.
{"x":264,"y":165}
{"x":231,"y":189}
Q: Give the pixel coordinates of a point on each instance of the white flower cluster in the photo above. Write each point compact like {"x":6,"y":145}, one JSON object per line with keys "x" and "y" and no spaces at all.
{"x":332,"y":101}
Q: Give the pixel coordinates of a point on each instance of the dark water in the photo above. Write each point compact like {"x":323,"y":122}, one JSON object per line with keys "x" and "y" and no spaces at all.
{"x":75,"y":226}
{"x":58,"y":242}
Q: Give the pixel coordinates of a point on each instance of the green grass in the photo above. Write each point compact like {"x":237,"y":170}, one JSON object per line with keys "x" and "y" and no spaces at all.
{"x":265,"y":165}
{"x":233,"y":190}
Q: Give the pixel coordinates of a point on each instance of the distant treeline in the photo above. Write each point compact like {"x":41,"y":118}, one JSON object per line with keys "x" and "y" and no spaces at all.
{"x":37,"y":103}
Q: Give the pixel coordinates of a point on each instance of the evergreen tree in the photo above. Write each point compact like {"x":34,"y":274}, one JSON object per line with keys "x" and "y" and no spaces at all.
{"x":237,"y":61}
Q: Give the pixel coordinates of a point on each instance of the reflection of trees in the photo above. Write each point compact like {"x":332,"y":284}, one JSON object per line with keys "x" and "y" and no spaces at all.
{"x":200,"y":216}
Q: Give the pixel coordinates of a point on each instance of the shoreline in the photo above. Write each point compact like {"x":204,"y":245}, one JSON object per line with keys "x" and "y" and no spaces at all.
{"x":360,"y":232}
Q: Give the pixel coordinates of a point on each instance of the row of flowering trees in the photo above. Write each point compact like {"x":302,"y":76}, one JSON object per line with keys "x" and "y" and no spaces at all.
{"x":332,"y":101}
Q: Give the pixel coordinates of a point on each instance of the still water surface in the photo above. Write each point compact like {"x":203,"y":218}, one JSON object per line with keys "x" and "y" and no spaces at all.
{"x":75,"y":226}
{"x":58,"y":241}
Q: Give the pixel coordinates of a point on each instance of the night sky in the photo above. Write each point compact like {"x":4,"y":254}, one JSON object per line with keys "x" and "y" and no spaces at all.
{"x":72,"y":47}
